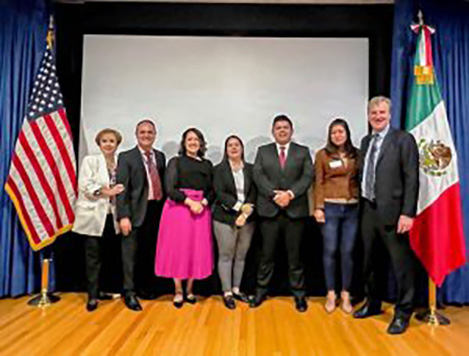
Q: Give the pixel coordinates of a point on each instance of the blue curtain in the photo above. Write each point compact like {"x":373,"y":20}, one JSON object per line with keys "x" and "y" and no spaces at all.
{"x":23,"y":25}
{"x":450,"y":46}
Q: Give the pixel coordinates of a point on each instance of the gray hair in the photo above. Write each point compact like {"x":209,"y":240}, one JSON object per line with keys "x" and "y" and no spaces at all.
{"x":378,"y":100}
{"x":145,"y":121}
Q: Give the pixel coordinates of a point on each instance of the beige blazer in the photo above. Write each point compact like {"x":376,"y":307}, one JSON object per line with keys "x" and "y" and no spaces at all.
{"x":91,"y":210}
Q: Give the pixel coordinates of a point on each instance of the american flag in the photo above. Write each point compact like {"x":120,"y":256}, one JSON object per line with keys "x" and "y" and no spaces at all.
{"x":42,"y":179}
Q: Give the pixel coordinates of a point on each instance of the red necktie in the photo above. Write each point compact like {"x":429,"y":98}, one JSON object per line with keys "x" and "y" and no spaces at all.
{"x":155,"y":180}
{"x":282,"y":158}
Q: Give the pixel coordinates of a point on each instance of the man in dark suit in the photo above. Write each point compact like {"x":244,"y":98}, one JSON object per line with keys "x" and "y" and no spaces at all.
{"x":390,"y":182}
{"x":141,"y":171}
{"x":283,"y":172}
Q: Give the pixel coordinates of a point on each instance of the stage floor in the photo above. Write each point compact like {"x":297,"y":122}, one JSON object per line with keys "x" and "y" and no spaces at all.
{"x":208,"y":328}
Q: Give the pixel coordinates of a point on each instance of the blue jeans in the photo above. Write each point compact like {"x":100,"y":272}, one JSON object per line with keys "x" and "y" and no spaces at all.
{"x":340,"y":229}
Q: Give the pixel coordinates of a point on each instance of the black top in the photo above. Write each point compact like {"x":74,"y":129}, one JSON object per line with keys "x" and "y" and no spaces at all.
{"x":226,"y":194}
{"x":184,"y":172}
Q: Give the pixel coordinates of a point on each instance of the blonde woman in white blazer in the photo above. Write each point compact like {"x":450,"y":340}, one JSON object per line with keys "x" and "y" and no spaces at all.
{"x":95,"y":207}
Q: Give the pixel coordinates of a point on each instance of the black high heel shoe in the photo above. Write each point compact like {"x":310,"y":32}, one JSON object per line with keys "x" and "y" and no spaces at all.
{"x":229,"y":302}
{"x":190,"y":298}
{"x":241,"y":297}
{"x":178,"y":303}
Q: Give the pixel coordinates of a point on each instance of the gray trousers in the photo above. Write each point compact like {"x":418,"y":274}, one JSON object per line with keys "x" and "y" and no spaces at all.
{"x":233,"y":245}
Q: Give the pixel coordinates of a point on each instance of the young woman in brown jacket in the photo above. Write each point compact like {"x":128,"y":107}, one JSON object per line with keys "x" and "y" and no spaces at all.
{"x":336,"y":208}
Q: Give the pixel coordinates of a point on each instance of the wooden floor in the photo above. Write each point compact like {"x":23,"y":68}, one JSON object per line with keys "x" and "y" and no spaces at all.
{"x":208,"y":328}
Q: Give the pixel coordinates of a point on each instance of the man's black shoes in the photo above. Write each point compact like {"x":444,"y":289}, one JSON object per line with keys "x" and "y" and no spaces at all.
{"x":300,"y":304}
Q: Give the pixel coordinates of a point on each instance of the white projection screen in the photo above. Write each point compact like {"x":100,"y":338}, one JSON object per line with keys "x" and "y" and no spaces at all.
{"x":223,"y":86}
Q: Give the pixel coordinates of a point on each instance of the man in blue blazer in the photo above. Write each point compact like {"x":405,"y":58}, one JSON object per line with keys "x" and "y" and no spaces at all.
{"x":141,"y":170}
{"x":283,"y":172}
{"x":389,"y":193}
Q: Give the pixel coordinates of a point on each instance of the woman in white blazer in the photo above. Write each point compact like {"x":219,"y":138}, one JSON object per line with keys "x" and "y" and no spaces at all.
{"x":95,"y":207}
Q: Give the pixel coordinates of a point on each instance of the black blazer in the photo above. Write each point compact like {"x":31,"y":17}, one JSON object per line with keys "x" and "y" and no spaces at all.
{"x":397,"y":175}
{"x":225,"y":192}
{"x":132,"y":202}
{"x":296,"y":176}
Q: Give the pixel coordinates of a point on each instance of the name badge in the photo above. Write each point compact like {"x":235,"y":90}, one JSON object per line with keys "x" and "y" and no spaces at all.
{"x":335,"y":163}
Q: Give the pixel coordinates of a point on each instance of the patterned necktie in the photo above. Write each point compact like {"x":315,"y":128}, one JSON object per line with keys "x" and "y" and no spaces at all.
{"x":371,"y":169}
{"x":155,"y":180}
{"x":282,"y":158}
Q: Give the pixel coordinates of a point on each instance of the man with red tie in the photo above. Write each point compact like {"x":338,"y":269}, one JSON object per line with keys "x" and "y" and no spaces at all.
{"x":141,"y":171}
{"x":283,"y":172}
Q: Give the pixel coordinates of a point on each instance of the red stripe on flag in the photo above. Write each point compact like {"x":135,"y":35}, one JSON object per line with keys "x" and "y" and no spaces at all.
{"x":440,"y":247}
{"x":40,"y":212}
{"x":42,"y":178}
{"x":23,"y":212}
{"x":63,"y":116}
{"x":428,"y":47}
{"x":59,"y":141}
{"x":54,"y":169}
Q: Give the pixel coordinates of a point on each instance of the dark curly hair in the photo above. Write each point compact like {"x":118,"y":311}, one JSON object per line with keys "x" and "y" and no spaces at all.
{"x":203,"y":143}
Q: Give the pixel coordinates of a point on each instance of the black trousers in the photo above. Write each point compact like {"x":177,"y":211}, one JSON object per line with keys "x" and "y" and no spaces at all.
{"x":138,"y":252}
{"x":402,"y":259}
{"x":95,"y":248}
{"x":291,"y":232}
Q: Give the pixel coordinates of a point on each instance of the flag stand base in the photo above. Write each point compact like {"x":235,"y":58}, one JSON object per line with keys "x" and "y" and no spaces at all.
{"x":432,"y":317}
{"x":43,"y":300}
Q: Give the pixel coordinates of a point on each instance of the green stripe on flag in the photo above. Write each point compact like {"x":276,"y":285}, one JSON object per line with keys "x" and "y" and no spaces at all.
{"x":423,"y":100}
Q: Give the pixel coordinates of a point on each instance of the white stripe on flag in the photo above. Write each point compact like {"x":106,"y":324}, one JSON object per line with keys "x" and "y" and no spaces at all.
{"x":47,"y":171}
{"x":422,"y":56}
{"x":64,"y":133}
{"x":28,"y":204}
{"x":36,"y":184}
{"x":436,"y":128}
{"x":63,"y":174}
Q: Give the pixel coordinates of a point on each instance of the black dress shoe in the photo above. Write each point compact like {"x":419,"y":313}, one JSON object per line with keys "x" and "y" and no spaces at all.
{"x":399,"y":324}
{"x":367,"y":310}
{"x":300,"y":304}
{"x":241,"y":297}
{"x":132,"y":302}
{"x":257,"y":301}
{"x":91,"y":304}
{"x":229,"y":302}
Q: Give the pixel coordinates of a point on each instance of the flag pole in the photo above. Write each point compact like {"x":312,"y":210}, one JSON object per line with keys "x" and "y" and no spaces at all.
{"x":431,"y":316}
{"x":44,"y":299}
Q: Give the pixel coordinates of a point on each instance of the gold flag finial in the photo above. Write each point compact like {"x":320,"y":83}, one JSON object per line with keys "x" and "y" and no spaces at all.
{"x":50,"y":32}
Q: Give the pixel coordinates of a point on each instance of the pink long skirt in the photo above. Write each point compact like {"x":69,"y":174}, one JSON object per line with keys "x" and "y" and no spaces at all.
{"x":184,"y":247}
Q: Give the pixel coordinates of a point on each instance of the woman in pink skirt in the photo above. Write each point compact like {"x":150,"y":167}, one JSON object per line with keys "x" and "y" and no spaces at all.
{"x":184,"y":247}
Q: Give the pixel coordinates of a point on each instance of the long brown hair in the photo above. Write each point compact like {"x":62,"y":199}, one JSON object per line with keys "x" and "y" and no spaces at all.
{"x":225,"y":153}
{"x":332,"y":148}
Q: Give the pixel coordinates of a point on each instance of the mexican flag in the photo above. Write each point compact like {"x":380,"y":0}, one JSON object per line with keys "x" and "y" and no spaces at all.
{"x":437,"y":235}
